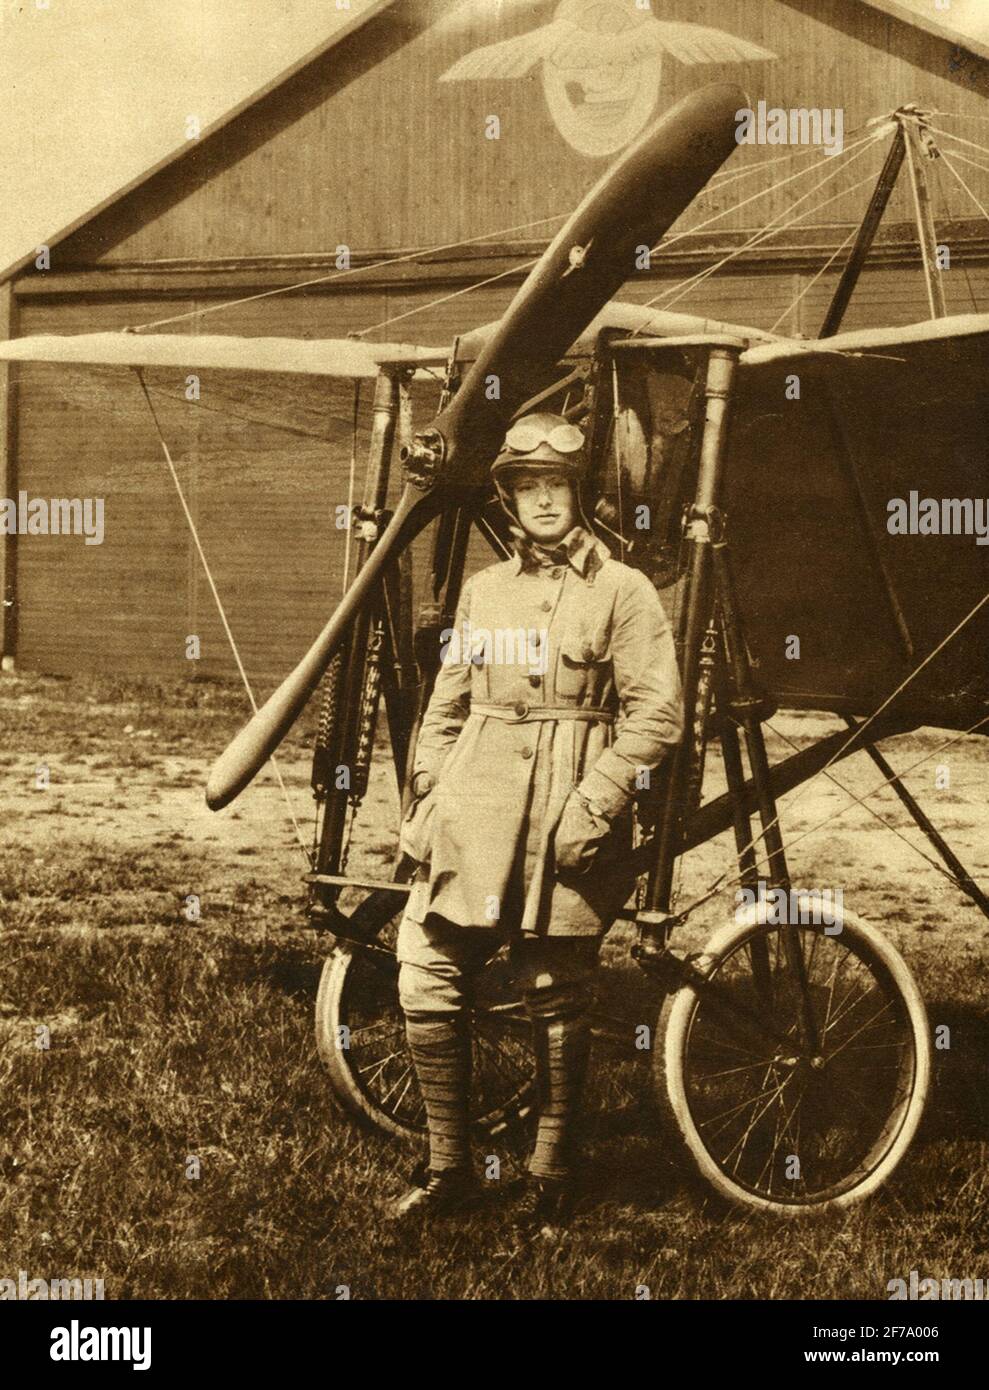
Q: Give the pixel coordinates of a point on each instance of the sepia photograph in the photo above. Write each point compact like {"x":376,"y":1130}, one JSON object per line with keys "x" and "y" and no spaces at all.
{"x":494,"y":561}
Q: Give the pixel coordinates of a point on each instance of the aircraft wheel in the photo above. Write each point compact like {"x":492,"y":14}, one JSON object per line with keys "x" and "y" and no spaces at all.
{"x":360,"y":1034}
{"x":774,"y":1125}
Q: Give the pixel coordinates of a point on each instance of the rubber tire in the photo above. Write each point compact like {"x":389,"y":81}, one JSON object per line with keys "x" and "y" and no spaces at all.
{"x":668,"y":1062}
{"x":349,"y":1095}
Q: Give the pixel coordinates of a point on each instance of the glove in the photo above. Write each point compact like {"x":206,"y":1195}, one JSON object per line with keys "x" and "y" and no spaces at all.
{"x":414,"y":838}
{"x":579,"y":835}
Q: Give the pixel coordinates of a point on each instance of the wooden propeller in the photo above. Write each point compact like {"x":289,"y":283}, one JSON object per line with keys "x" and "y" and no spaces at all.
{"x":597,"y":250}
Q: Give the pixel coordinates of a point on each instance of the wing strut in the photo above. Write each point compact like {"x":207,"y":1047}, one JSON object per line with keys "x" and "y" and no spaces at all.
{"x":914,"y":143}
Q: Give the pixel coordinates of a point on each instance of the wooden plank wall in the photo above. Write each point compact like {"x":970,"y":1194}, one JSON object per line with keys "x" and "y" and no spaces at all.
{"x":376,"y":118}
{"x":318,"y":163}
{"x":265,"y":462}
{"x":8,"y":481}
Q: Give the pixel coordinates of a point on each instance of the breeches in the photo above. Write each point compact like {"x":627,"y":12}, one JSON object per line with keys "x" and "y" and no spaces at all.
{"x":439,"y":963}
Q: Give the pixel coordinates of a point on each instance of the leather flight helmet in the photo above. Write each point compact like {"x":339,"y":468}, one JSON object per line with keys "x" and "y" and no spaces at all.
{"x":541,"y":441}
{"x":541,"y":438}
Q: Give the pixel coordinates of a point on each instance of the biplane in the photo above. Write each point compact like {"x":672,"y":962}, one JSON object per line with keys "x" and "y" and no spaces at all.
{"x":766,"y":517}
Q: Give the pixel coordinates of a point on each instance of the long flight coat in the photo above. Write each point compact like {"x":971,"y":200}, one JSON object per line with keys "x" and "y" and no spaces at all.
{"x":555,"y":675}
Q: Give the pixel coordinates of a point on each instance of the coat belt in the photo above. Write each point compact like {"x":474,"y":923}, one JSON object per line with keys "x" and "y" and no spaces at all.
{"x":521,"y":713}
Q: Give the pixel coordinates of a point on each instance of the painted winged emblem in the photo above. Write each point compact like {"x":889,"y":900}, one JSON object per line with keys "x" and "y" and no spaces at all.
{"x":600,"y":63}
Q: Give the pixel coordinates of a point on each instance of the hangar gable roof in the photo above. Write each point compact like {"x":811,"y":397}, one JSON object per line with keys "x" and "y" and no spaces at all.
{"x":134,"y":78}
{"x":100,"y":94}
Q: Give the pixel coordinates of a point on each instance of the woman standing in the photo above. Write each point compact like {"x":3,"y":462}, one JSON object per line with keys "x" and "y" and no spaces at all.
{"x":521,"y":813}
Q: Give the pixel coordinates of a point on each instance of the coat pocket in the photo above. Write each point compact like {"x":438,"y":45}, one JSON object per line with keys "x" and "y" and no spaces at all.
{"x":584,"y":664}
{"x":578,"y":837}
{"x":415,"y":836}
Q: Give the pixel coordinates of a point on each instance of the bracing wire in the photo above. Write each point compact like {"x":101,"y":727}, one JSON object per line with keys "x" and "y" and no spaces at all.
{"x":763,"y":237}
{"x":757,"y":165}
{"x":445,"y":299}
{"x":331,"y":276}
{"x":811,"y":283}
{"x":662,"y":245}
{"x":888,"y":781}
{"x":847,"y":791}
{"x":843,"y":162}
{"x":776,"y":224}
{"x":959,"y":115}
{"x":952,"y":170}
{"x":726,"y":881}
{"x":854,"y":737}
{"x":216,"y":598}
{"x":967,"y":159}
{"x":684,"y":287}
{"x":341,"y":274}
{"x":961,"y":140}
{"x":719,"y":181}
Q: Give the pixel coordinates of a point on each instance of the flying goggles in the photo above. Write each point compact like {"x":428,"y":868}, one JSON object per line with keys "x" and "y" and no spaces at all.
{"x":527,"y":435}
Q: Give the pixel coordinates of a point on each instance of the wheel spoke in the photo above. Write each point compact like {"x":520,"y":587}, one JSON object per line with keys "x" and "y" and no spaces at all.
{"x":394,"y":1087}
{"x":734,"y":1109}
{"x":842,"y":1011}
{"x":839,"y":963}
{"x":838,"y":1114}
{"x":716,"y":1075}
{"x":741,"y":1141}
{"x":868,"y":1024}
{"x":798,"y":1111}
{"x":772,"y":1152}
{"x":410,"y":1072}
{"x":379,"y":1064}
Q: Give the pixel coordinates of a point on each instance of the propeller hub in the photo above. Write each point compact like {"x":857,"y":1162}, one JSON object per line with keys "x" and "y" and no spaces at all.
{"x":423,"y":457}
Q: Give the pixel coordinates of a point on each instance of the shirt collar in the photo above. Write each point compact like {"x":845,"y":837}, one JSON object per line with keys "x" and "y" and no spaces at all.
{"x":579,"y":548}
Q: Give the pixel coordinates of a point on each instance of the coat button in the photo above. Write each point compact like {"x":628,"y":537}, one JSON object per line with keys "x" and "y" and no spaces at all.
{"x":527,"y":752}
{"x":534,"y":681}
{"x":547,"y":606}
{"x":521,"y":710}
{"x":588,"y":653}
{"x":557,"y":572}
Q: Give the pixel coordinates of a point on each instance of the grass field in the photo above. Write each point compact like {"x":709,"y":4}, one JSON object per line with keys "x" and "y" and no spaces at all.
{"x":172,"y":1039}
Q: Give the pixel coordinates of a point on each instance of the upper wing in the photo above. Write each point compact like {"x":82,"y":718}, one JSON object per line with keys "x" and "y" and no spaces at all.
{"x":970,"y":329}
{"x":337,"y":357}
{"x":635,"y":319}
